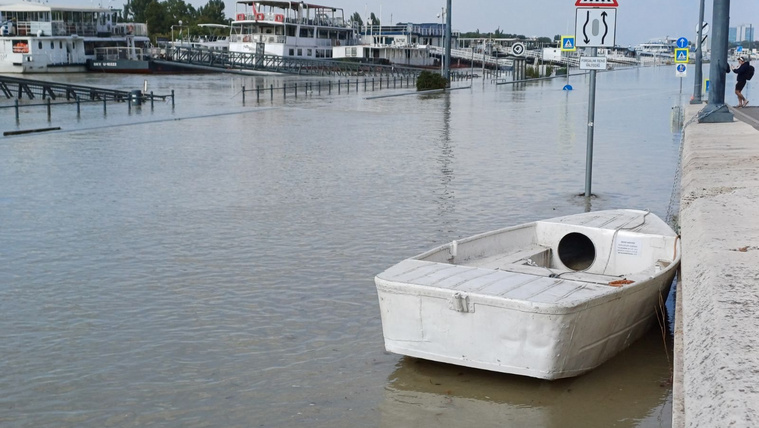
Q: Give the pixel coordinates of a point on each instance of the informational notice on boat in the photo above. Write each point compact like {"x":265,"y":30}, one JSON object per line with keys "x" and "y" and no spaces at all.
{"x":593,"y":63}
{"x":628,"y":247}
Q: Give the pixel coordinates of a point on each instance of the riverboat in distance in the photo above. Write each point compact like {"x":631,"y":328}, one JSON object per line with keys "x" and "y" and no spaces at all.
{"x":41,"y":38}
{"x":289,"y":29}
{"x":547,"y":299}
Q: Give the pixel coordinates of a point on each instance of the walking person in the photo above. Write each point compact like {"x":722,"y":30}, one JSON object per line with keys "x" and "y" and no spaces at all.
{"x":742,"y":71}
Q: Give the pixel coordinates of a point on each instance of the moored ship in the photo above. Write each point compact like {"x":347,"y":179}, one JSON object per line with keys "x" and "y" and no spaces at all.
{"x":40,"y":38}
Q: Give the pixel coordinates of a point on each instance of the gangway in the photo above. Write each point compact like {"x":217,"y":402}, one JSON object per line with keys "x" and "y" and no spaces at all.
{"x":16,"y":87}
{"x":244,"y":62}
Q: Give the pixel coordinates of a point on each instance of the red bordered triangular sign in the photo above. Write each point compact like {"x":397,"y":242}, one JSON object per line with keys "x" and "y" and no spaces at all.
{"x":597,"y":3}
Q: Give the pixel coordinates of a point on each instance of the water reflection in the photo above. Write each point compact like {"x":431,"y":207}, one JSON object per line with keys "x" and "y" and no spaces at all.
{"x":446,"y":195}
{"x":631,"y":390}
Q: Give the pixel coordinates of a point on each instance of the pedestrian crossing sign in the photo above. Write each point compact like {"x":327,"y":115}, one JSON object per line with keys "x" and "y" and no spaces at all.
{"x":681,"y":56}
{"x":568,"y":43}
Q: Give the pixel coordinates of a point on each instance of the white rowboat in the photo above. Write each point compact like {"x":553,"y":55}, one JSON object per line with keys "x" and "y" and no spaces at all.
{"x":548,"y":299}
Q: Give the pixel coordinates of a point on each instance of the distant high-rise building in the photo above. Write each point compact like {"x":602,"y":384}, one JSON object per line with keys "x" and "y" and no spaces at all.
{"x":740,"y":33}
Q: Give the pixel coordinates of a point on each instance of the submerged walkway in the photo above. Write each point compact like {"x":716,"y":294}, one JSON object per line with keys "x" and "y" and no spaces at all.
{"x":716,"y":382}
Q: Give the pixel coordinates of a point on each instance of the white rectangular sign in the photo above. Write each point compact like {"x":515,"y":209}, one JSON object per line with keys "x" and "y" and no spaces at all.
{"x":595,"y":27}
{"x":593,"y":63}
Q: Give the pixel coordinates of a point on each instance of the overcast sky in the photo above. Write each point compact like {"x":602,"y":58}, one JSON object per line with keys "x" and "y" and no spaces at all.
{"x":637,"y":20}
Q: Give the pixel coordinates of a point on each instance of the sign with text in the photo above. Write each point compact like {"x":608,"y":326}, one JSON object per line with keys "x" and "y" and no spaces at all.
{"x":593,"y":63}
{"x":596,"y":27}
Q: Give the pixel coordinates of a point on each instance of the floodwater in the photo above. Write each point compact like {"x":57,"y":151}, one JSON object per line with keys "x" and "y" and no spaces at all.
{"x":212,"y":265}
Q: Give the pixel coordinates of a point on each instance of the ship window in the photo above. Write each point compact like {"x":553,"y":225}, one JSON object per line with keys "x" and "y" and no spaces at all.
{"x":60,"y":44}
{"x":39,"y":45}
{"x":309,"y":53}
{"x":300,"y":52}
{"x":292,"y":52}
{"x":52,"y":44}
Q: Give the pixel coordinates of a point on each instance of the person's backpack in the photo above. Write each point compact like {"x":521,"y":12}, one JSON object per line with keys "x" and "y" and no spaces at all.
{"x":750,"y":72}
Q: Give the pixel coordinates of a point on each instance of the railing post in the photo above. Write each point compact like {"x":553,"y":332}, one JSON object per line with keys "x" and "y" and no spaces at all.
{"x":356,"y":84}
{"x":48,"y":109}
{"x":243,"y":94}
{"x":104,"y":107}
{"x":172,"y":99}
{"x":372,"y":84}
{"x":319,"y":86}
{"x":364,"y":84}
{"x":296,"y":90}
{"x":151,"y":101}
{"x":258,"y":94}
{"x":329,"y":86}
{"x":338,"y":86}
{"x":284,"y":91}
{"x":16,"y":105}
{"x":78,"y":107}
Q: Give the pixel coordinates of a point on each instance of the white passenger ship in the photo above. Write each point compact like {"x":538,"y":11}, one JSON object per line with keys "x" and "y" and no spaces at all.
{"x":289,"y":29}
{"x":40,"y":38}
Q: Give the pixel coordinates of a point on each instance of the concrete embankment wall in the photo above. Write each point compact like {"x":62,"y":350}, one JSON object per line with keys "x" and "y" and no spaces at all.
{"x":717,"y":331}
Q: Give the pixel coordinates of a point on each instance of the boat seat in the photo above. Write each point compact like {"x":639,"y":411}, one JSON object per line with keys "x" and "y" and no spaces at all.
{"x":538,"y":254}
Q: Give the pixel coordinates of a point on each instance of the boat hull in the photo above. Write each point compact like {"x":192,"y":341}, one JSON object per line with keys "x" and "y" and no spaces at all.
{"x":520,"y":319}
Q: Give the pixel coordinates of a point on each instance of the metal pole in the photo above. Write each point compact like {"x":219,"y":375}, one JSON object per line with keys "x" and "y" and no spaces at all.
{"x":699,"y":58}
{"x":447,"y":73}
{"x":16,"y":105}
{"x":243,"y":94}
{"x":716,"y":111}
{"x":591,"y":127}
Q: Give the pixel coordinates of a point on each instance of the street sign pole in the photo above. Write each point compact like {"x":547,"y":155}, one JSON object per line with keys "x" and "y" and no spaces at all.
{"x":591,"y":126}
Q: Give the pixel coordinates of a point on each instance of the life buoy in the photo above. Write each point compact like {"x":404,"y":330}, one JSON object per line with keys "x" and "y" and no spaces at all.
{"x":241,"y":17}
{"x":279,"y":17}
{"x":260,"y":17}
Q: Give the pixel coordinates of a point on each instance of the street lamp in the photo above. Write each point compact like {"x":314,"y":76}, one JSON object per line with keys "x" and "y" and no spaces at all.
{"x":172,"y":31}
{"x":441,"y":15}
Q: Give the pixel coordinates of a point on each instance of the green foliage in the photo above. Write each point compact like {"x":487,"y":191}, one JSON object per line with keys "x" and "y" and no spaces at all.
{"x":356,"y":18}
{"x":561,"y":71}
{"x":497,"y":34}
{"x":428,"y":80}
{"x":531,"y":72}
{"x":549,"y":70}
{"x":161,"y":15}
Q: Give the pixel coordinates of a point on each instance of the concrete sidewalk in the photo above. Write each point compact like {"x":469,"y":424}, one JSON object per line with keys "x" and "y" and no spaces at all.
{"x":716,"y":381}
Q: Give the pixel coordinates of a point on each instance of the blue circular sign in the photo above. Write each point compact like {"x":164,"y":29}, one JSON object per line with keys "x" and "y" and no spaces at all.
{"x":682,"y":42}
{"x":681,"y":68}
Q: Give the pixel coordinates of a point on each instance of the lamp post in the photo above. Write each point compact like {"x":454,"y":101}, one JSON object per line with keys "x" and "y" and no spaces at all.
{"x":441,"y":15}
{"x":172,"y":31}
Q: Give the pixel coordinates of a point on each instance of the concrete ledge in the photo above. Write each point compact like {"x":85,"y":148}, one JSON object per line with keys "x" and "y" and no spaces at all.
{"x":717,"y":357}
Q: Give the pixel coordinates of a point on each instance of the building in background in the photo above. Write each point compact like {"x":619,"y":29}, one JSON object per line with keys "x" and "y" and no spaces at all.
{"x":741,"y":33}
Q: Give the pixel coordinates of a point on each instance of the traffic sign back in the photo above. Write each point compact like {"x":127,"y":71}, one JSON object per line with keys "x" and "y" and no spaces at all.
{"x":597,"y":3}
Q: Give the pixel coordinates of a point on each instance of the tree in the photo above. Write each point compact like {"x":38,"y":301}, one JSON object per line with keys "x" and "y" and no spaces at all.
{"x":212,"y":13}
{"x":356,"y":18}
